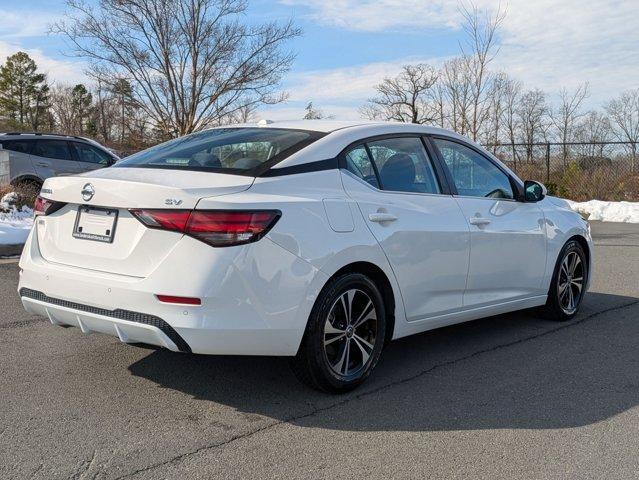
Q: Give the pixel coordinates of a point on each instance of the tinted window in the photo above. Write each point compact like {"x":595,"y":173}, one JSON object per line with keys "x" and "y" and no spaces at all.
{"x":474,"y":175}
{"x":90,"y":154}
{"x":22,"y":146}
{"x":233,"y":149}
{"x":58,"y":149}
{"x":359,"y":163}
{"x":403,"y":165}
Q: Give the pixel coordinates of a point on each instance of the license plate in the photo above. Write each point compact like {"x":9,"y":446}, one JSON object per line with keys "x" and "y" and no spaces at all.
{"x":96,"y":224}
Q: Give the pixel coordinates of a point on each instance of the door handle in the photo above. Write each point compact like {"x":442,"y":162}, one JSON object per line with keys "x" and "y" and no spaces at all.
{"x":479,"y":221}
{"x":381,"y":217}
{"x":43,"y":164}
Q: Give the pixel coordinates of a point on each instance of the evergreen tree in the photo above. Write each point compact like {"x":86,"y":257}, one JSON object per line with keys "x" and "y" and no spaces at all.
{"x":24,"y":93}
{"x":81,"y":101}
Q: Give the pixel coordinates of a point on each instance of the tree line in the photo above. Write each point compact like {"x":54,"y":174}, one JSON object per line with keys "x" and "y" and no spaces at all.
{"x":493,"y":108}
{"x":159,"y":69}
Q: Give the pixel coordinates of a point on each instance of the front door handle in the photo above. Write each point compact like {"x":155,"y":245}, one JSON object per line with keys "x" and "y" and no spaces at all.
{"x":479,"y":221}
{"x":381,"y":217}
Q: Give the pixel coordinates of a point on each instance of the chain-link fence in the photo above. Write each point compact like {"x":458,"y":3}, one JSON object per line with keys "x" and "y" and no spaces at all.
{"x":577,"y":170}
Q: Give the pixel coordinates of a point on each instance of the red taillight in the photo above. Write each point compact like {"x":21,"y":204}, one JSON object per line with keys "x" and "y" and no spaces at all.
{"x":179,"y":300}
{"x":174,"y":220}
{"x":44,"y":206}
{"x":219,"y":228}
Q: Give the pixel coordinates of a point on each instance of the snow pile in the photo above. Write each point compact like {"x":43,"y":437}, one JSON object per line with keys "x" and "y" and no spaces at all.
{"x":627,"y":212}
{"x":14,"y":224}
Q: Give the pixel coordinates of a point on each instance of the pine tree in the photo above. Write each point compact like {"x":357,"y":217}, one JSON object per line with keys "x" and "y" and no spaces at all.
{"x":24,"y":93}
{"x":81,"y":103}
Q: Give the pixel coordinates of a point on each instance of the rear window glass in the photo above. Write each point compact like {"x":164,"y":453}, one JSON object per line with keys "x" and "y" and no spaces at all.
{"x":228,"y":150}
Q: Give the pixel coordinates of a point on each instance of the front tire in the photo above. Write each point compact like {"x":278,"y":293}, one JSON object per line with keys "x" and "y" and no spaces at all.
{"x":344,"y":336}
{"x":568,"y":283}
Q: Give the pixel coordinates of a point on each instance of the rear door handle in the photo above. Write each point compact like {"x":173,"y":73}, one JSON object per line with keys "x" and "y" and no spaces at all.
{"x":479,"y":221}
{"x":381,"y":217}
{"x":43,"y":164}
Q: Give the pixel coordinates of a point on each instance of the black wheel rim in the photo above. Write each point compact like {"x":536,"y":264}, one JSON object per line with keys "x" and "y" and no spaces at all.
{"x":570,"y":282}
{"x":350,"y":332}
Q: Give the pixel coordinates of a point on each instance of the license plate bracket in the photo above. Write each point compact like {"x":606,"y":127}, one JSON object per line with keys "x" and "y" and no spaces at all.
{"x":95,"y":223}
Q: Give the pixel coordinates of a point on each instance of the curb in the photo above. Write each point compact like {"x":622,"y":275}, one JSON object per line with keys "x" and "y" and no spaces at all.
{"x":11,"y":250}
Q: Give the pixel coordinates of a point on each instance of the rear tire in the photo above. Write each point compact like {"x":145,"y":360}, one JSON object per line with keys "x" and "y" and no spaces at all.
{"x":568,"y":283}
{"x":344,"y":337}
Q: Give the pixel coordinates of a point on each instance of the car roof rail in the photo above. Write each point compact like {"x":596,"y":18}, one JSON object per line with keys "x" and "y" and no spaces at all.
{"x":49,"y":134}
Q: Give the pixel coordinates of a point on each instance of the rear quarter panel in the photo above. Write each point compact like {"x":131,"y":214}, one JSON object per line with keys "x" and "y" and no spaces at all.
{"x":305,"y":230}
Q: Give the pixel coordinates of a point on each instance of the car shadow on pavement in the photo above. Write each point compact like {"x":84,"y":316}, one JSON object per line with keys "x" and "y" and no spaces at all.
{"x":508,"y":371}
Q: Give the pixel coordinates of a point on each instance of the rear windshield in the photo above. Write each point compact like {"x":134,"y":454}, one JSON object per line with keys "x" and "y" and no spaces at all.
{"x":247,"y":151}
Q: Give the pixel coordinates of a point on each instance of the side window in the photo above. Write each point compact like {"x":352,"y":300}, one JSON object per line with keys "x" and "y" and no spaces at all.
{"x":474,"y":175}
{"x":90,"y":154}
{"x":57,"y":149}
{"x":21,"y":146}
{"x":403,"y":165}
{"x":359,"y":163}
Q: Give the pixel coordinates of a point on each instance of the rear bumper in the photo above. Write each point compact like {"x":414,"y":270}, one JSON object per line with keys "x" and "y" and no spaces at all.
{"x":130,"y":327}
{"x":256,"y":298}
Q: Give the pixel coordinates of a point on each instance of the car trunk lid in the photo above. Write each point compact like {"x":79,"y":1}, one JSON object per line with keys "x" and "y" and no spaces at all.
{"x":128,"y":248}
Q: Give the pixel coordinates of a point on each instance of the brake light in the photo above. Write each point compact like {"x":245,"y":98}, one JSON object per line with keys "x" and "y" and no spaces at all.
{"x":218,"y":228}
{"x":45,"y":206}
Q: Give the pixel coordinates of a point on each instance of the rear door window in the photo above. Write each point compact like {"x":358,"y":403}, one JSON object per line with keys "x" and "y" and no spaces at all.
{"x":404,"y":165}
{"x":55,"y":149}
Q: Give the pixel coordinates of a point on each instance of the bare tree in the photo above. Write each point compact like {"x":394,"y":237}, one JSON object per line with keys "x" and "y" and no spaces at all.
{"x":456,"y":81}
{"x":496,"y":99}
{"x":190,"y":62}
{"x":567,"y":114}
{"x":406,"y":97}
{"x":480,"y":49}
{"x":594,"y":128}
{"x":624,"y":115}
{"x":71,"y":107}
{"x":532,"y":113}
{"x":62,"y":108}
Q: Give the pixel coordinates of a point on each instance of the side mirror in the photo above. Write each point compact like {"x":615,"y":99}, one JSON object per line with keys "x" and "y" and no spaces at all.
{"x":534,"y":191}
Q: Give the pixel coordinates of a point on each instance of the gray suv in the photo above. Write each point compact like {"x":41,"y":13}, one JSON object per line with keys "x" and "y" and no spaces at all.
{"x":34,"y":157}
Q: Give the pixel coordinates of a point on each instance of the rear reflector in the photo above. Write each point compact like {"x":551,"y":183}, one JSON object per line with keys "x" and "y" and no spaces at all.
{"x":218,"y":228}
{"x":180,"y":300}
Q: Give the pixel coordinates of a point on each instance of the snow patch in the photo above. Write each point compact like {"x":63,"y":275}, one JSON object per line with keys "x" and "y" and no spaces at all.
{"x":15,"y":224}
{"x":627,"y":212}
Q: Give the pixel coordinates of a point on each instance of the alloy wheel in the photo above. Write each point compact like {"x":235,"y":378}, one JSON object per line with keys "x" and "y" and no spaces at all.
{"x":570,"y":282}
{"x":350,"y":332}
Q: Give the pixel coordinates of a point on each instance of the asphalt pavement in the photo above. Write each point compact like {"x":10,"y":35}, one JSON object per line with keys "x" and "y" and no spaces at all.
{"x":513,"y":396}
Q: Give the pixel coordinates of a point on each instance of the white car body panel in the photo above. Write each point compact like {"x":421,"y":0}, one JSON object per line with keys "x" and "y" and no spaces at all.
{"x":498,"y":272}
{"x":257,"y":298}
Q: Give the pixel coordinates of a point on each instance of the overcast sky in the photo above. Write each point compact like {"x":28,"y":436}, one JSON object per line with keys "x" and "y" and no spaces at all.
{"x":348,"y":46}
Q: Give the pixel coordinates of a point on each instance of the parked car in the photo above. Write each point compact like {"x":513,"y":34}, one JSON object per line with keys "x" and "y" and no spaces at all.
{"x":34,"y":157}
{"x":321,"y":241}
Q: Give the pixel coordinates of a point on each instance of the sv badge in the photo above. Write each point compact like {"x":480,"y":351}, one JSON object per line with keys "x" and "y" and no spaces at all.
{"x":173,"y":201}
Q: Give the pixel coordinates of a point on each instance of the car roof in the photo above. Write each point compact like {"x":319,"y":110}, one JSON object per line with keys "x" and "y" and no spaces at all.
{"x":328,"y":126}
{"x":47,"y":136}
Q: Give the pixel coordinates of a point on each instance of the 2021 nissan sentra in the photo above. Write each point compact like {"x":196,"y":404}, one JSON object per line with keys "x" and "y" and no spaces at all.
{"x":321,"y":241}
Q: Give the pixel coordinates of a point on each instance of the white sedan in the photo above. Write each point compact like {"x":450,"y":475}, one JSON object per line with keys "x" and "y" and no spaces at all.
{"x":321,"y":241}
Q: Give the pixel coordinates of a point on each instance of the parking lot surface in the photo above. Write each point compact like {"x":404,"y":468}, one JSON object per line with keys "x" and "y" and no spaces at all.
{"x":513,"y":396}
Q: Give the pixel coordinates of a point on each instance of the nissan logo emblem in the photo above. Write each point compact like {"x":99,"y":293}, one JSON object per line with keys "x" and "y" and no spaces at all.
{"x":87,"y":192}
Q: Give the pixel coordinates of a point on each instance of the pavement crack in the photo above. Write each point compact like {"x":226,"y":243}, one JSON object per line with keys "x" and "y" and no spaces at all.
{"x":367,"y":393}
